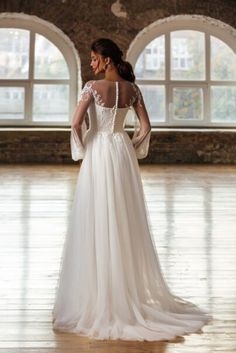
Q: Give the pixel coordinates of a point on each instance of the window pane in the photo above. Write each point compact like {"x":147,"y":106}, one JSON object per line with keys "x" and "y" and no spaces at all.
{"x":14,"y":53}
{"x":223,"y":104}
{"x":154,"y":98}
{"x":223,"y":61}
{"x":151,"y":62}
{"x":187,"y":55}
{"x":49,"y":61}
{"x":12,"y":101}
{"x":51,"y":103}
{"x":187,"y":103}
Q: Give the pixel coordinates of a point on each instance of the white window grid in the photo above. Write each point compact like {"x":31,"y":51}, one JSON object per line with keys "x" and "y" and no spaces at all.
{"x":74,"y":82}
{"x":155,"y":31}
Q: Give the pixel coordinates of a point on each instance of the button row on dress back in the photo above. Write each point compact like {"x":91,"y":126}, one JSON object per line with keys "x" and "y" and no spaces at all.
{"x":115,"y":107}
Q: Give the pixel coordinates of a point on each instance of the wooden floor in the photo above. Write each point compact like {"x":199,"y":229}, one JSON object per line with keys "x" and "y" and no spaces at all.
{"x":193,"y":217}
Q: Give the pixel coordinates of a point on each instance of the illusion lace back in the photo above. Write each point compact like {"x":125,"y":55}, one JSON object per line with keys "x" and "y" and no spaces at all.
{"x":110,"y":284}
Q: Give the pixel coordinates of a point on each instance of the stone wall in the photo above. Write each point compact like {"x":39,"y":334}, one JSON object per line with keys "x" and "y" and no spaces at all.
{"x":83,"y":21}
{"x":167,"y":146}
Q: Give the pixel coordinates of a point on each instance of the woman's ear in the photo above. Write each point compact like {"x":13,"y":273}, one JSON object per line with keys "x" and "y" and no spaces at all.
{"x":108,"y":60}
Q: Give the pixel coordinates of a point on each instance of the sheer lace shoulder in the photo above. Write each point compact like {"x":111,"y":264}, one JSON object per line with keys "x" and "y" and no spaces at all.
{"x":104,"y":93}
{"x":87,"y":91}
{"x":138,"y":98}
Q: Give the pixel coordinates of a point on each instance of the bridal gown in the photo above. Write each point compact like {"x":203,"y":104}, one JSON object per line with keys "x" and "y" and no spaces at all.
{"x":110,"y":284}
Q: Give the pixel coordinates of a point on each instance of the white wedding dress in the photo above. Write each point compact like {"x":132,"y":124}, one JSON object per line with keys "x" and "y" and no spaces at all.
{"x":110,"y":284}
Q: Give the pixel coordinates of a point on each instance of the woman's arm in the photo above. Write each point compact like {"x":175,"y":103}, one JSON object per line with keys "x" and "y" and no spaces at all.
{"x":85,"y":99}
{"x":141,"y":136}
{"x":78,"y":125}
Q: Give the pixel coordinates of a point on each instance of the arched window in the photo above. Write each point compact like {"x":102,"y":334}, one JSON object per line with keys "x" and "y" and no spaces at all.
{"x":38,"y":73}
{"x":186,"y":68}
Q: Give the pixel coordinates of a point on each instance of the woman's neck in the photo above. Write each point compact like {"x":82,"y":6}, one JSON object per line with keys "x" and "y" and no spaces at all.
{"x":113,"y":75}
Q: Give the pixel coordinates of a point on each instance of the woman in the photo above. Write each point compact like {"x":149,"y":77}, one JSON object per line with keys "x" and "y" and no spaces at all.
{"x":111,"y":285}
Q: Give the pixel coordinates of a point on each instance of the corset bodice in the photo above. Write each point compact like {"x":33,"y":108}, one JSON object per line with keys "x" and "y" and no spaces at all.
{"x":105,"y":119}
{"x":108,"y":119}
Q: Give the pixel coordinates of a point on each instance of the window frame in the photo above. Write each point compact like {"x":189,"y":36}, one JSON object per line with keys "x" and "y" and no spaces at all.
{"x":210,"y":27}
{"x":35,"y":26}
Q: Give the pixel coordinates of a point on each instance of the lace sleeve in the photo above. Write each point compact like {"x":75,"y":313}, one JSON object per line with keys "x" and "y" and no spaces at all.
{"x":142,"y":126}
{"x":78,"y":125}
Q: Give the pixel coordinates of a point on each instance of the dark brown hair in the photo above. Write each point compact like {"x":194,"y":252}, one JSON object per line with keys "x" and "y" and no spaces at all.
{"x":107,"y":48}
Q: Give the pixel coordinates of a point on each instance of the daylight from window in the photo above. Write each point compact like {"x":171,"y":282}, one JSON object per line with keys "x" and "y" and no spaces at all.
{"x":34,"y":78}
{"x":189,"y":88}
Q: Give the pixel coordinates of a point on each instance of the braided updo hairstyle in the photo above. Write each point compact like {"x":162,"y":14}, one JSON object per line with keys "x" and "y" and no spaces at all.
{"x":107,"y":48}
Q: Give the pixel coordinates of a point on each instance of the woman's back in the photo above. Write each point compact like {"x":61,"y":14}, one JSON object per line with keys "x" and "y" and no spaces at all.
{"x":105,"y":93}
{"x":110,"y":102}
{"x":107,"y":103}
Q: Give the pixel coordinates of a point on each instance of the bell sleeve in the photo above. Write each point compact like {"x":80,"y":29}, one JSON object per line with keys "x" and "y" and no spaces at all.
{"x":142,"y":126}
{"x":78,"y":125}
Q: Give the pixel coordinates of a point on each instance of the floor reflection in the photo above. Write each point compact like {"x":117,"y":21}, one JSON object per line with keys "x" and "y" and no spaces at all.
{"x":192,"y":213}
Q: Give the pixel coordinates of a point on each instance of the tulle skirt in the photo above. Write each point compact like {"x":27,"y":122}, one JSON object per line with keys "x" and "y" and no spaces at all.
{"x":110,"y":282}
